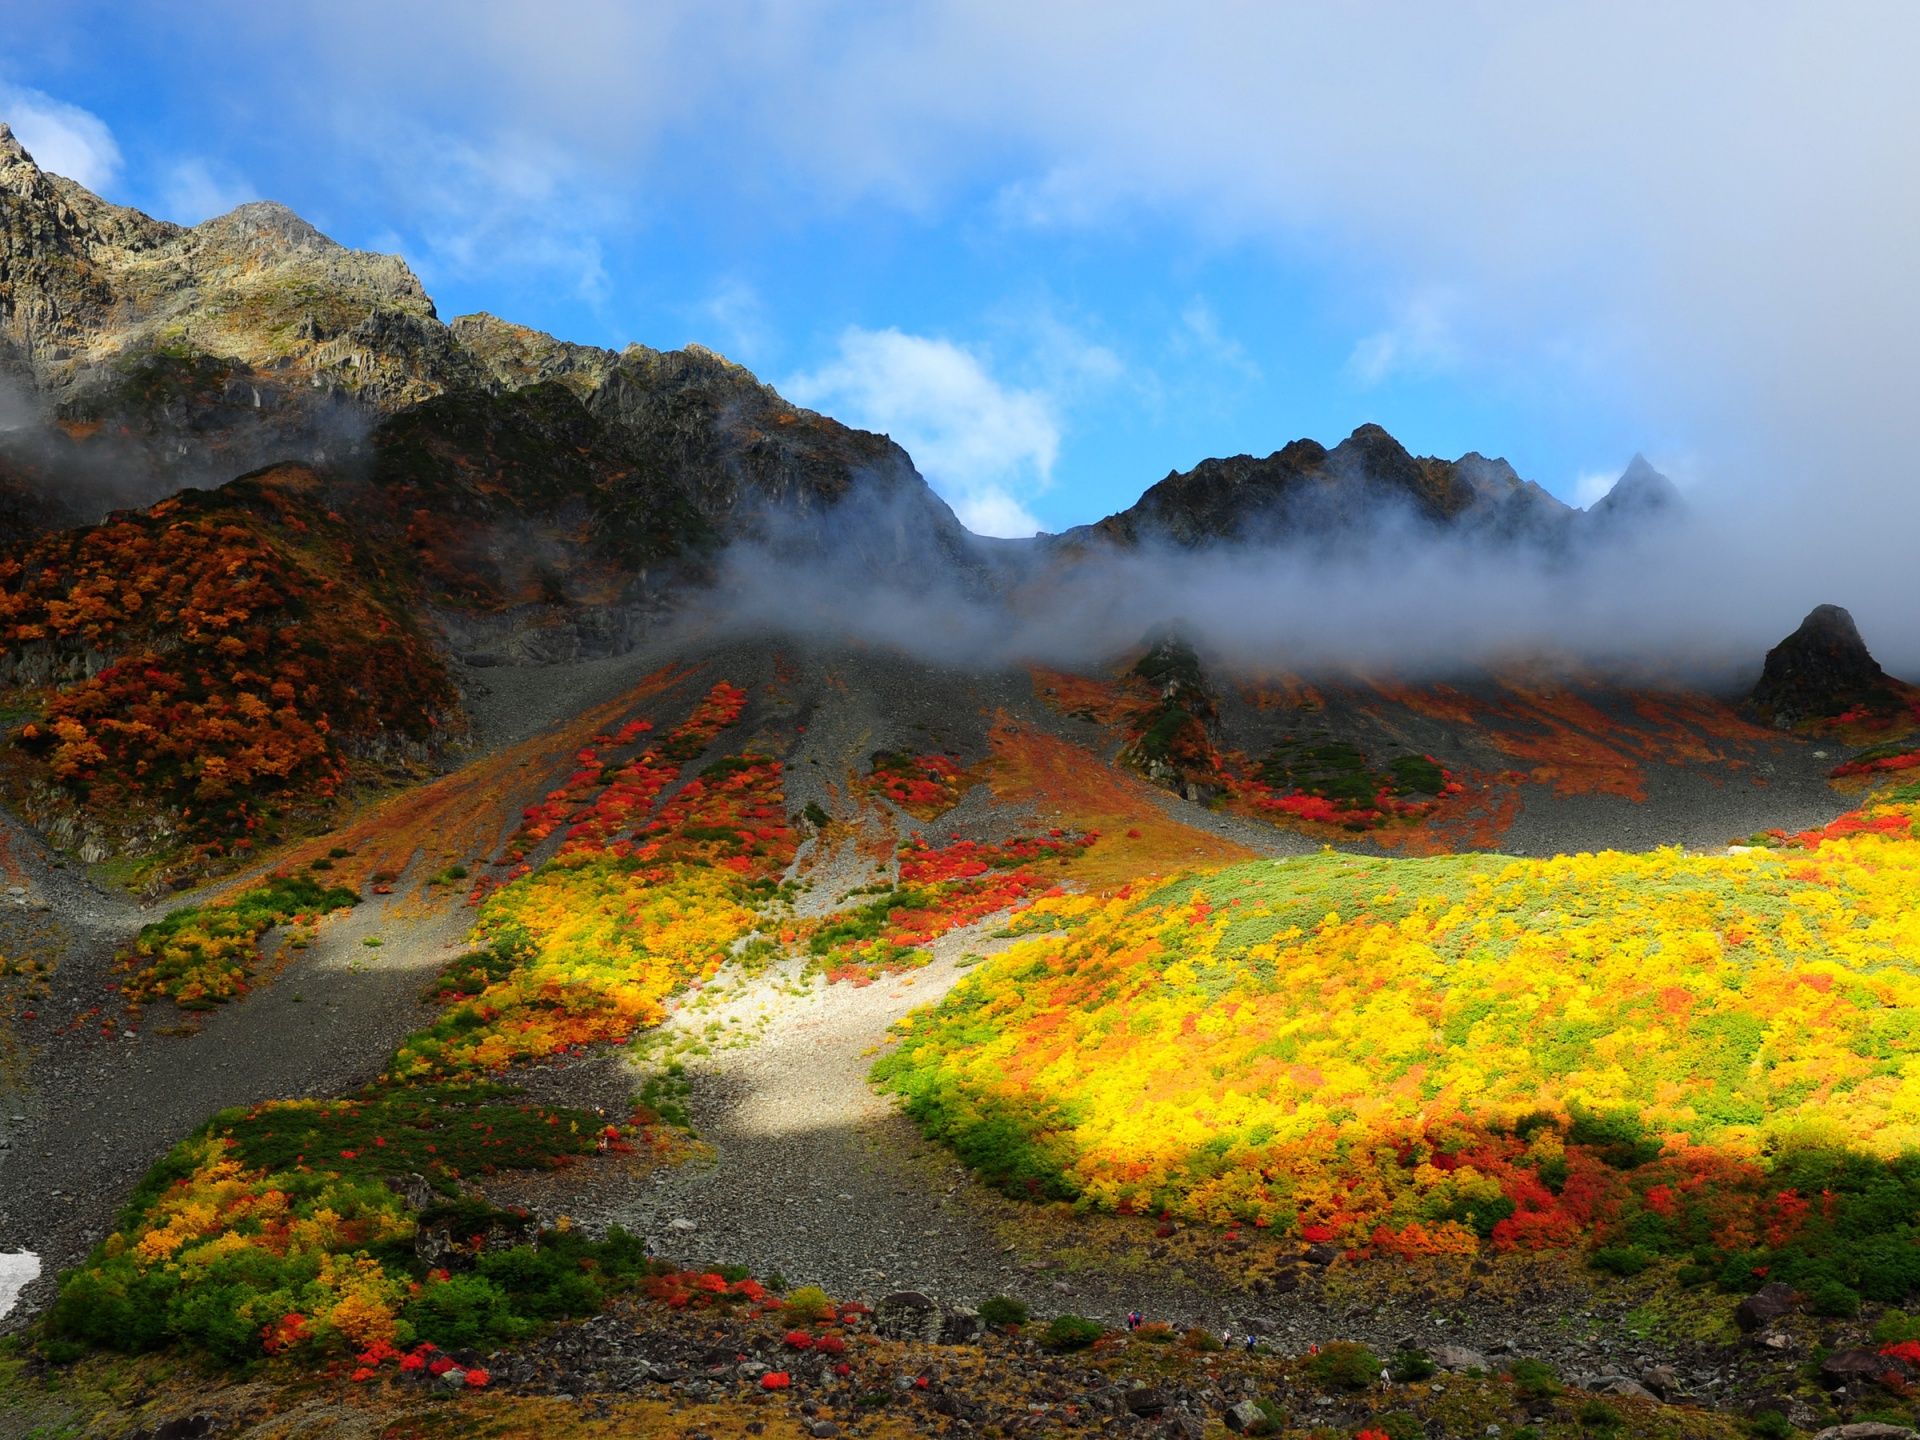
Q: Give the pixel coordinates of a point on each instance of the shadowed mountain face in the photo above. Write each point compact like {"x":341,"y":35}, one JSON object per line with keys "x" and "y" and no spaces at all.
{"x":1369,"y":479}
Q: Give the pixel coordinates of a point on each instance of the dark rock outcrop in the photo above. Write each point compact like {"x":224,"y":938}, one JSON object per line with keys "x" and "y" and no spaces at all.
{"x":1821,"y":669}
{"x":1369,"y":480}
{"x":1764,"y":1306}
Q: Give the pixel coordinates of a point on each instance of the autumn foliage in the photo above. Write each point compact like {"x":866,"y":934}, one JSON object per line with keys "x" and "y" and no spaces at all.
{"x":1411,"y":1056}
{"x":212,"y":661}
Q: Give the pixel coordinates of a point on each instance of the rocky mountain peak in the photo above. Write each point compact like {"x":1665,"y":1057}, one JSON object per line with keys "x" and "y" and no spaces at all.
{"x":1640,"y":493}
{"x":1821,"y":669}
{"x":10,"y":146}
{"x":264,"y":225}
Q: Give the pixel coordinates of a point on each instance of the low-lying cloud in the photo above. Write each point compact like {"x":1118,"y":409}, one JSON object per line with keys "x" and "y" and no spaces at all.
{"x":1695,"y":596}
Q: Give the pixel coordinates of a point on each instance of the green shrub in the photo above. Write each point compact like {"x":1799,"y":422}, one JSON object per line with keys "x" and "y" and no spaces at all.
{"x":61,"y":1352}
{"x":1534,"y":1379}
{"x":1598,"y":1415}
{"x":1894,"y":1327}
{"x":1345,"y":1364}
{"x":465,"y":1311}
{"x":1620,"y":1259}
{"x":1411,"y":1365}
{"x":1841,"y":1302}
{"x":815,"y":816}
{"x":1772,"y":1425}
{"x":1617,"y":1137}
{"x":1004,"y":1310}
{"x":1202,"y":1340}
{"x":1693,"y":1275}
{"x":1073,"y":1332}
{"x":807,"y":1304}
{"x":1399,"y":1425}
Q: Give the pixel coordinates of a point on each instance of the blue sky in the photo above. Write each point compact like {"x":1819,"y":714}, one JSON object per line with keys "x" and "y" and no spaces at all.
{"x":1059,"y":250}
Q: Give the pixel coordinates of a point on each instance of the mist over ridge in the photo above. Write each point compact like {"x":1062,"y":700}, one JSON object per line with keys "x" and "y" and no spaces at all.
{"x":1358,"y":556}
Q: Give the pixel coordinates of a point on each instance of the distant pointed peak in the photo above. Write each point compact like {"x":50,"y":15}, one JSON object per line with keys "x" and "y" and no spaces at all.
{"x":1641,"y":490}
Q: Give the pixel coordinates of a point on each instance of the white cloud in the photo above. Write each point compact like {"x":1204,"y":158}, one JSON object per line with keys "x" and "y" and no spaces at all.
{"x":1698,"y":193}
{"x":193,"y":190}
{"x":980,"y":443}
{"x":736,"y":307}
{"x":1419,"y":341}
{"x":62,"y":138}
{"x":1593,"y":486}
{"x":1200,"y":335}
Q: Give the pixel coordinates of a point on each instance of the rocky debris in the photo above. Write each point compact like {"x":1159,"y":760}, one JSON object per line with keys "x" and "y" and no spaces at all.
{"x":1621,"y":1385}
{"x":1847,"y":1367}
{"x":1821,"y":669}
{"x":1661,"y":1380}
{"x":185,"y":1427}
{"x":1865,"y":1430}
{"x":415,"y":1189}
{"x":910,"y":1315}
{"x":1764,"y":1305}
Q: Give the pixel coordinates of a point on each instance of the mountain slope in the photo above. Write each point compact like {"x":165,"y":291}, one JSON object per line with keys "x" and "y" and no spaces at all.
{"x":156,"y":356}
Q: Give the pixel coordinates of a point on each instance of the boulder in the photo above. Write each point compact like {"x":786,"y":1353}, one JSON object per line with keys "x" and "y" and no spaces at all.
{"x":1764,"y":1305}
{"x":960,"y":1325}
{"x":1321,"y":1255}
{"x":907,"y":1315}
{"x":1661,"y":1380}
{"x":1865,"y":1430}
{"x":1457,"y":1357}
{"x":1146,"y":1400}
{"x":1843,"y":1367}
{"x":1246,"y":1418}
{"x":1179,"y":1425}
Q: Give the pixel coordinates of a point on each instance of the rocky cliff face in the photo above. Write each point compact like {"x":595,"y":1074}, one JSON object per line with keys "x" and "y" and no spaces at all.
{"x":153,"y":356}
{"x":1822,"y":670}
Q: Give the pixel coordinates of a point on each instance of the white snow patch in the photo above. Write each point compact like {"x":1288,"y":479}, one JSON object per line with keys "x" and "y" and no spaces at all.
{"x":15,"y":1271}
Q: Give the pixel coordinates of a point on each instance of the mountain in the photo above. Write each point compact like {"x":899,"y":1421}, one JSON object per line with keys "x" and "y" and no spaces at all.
{"x":154,"y":356}
{"x":429,"y":501}
{"x":400,"y":860}
{"x":1366,"y":481}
